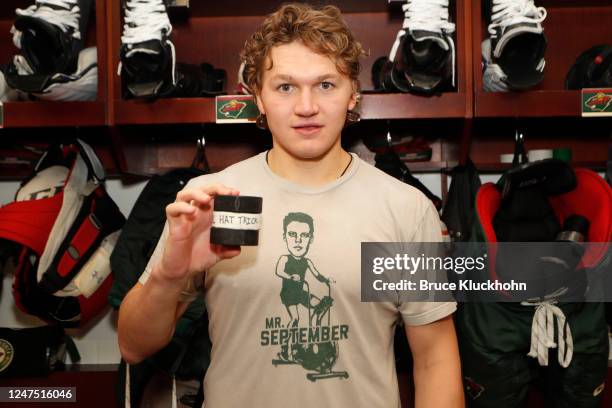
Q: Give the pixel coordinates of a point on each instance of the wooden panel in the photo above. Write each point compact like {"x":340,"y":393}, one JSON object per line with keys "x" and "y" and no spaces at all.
{"x":185,"y":110}
{"x":587,"y":139}
{"x":263,"y":7}
{"x":99,"y":21}
{"x":113,"y":40}
{"x":47,"y":113}
{"x":477,"y":35}
{"x":156,"y":149}
{"x":570,"y":31}
{"x":408,"y":106}
{"x":527,"y":104}
{"x":465,"y":50}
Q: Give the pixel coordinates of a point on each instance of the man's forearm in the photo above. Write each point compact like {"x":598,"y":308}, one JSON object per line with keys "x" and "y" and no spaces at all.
{"x":438,"y":385}
{"x":437,"y":368}
{"x":147,"y":318}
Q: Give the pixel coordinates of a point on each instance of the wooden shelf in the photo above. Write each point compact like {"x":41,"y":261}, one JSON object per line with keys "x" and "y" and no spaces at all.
{"x":172,"y":110}
{"x":52,"y":114}
{"x":409,"y":106}
{"x":527,"y":104}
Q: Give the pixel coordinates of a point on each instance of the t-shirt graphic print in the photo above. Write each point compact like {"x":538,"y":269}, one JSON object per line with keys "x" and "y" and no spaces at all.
{"x":306,"y":336}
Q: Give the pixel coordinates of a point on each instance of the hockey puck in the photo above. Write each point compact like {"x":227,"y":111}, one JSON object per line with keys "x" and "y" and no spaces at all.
{"x":236,"y":220}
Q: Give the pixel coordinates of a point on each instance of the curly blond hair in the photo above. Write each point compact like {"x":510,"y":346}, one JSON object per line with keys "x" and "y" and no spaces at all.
{"x":321,"y":29}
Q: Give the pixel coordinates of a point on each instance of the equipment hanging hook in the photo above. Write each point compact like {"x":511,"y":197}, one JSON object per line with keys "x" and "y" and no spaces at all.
{"x":520,"y":156}
{"x":200,"y":156}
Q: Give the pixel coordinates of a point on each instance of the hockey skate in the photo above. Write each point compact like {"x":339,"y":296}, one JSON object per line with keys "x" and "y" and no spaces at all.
{"x":81,"y":85}
{"x":513,"y":55}
{"x":148,"y":57}
{"x":422,"y":59}
{"x":51,"y":34}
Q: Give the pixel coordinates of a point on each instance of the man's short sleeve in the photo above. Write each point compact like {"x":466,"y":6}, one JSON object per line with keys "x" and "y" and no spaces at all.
{"x":191,"y":290}
{"x":420,"y":313}
{"x":429,"y":229}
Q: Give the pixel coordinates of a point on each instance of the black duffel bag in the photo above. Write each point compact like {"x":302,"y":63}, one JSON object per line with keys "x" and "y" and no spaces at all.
{"x":34,"y":352}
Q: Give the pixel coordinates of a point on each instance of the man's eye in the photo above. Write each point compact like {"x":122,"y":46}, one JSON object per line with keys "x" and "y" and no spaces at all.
{"x":285,"y":87}
{"x":292,"y":234}
{"x":305,"y":235}
{"x":327,"y":85}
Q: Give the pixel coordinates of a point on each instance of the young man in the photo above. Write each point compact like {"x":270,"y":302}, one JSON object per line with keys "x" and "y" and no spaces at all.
{"x":302,"y":65}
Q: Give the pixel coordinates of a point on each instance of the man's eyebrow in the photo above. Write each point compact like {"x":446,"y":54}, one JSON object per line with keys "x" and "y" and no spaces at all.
{"x":289,"y":78}
{"x":327,"y":76}
{"x":283,"y":77}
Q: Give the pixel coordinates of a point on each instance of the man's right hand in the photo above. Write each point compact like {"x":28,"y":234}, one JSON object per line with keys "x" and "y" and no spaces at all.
{"x":188,"y":250}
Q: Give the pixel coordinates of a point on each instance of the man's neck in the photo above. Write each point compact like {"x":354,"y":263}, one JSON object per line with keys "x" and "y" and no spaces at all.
{"x":309,"y":172}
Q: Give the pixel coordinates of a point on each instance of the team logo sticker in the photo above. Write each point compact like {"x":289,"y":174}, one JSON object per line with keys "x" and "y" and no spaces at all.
{"x":236,"y":109}
{"x":597,"y":102}
{"x":6,"y":354}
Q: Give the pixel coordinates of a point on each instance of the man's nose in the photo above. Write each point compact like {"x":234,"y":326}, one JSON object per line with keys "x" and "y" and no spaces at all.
{"x":307,"y":104}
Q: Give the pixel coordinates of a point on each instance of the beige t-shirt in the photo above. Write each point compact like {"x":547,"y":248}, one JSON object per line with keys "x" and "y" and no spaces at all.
{"x":272,"y":347}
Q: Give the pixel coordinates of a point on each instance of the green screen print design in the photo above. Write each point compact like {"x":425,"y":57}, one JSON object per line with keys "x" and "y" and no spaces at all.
{"x":305,"y":336}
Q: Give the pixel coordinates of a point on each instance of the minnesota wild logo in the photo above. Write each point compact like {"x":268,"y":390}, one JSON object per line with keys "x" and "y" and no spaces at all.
{"x":599,"y":102}
{"x":308,"y":338}
{"x":232,"y":109}
{"x":6,"y":354}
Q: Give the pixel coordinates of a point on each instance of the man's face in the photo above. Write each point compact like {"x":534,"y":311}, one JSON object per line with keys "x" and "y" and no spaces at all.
{"x":305,"y":100}
{"x":298,"y":237}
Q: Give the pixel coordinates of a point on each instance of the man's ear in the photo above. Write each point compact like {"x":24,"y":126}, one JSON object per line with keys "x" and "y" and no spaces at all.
{"x":259,"y":104}
{"x":354,"y":98}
